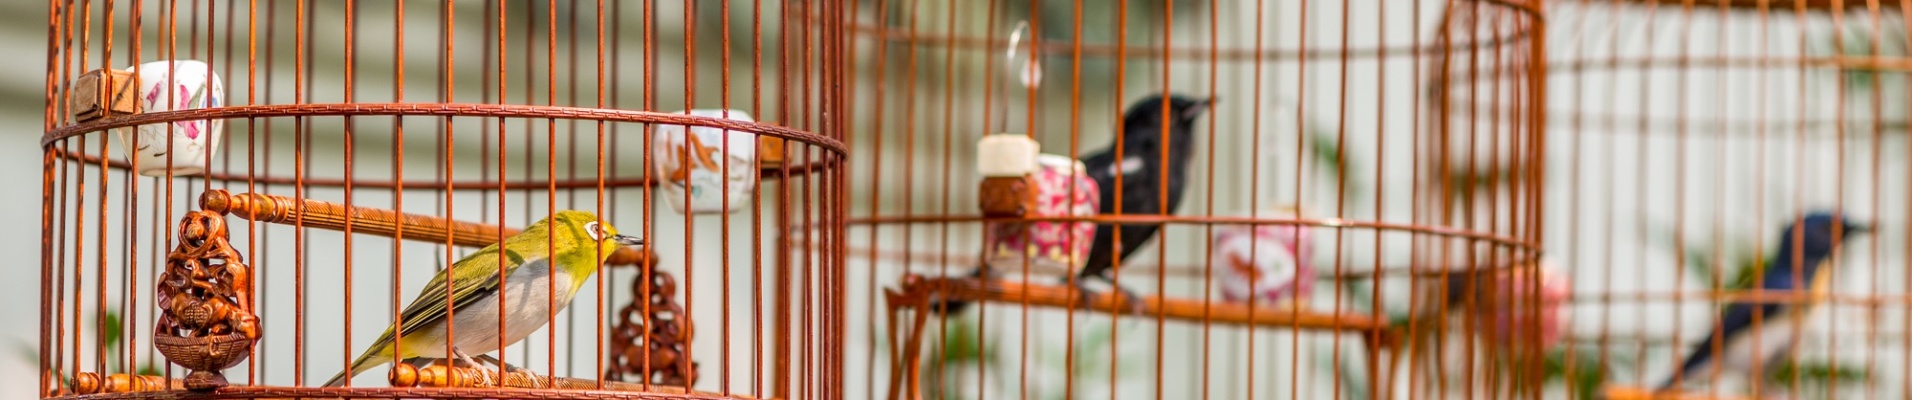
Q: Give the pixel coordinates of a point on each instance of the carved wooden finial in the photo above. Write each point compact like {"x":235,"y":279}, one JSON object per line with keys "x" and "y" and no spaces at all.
{"x":206,"y":323}
{"x":662,"y":337}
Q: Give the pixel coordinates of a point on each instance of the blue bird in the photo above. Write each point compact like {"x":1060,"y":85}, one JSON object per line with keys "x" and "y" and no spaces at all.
{"x":1810,"y":242}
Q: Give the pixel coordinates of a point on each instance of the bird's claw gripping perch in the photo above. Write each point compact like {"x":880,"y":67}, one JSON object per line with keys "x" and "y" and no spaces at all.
{"x":484,"y":380}
{"x":487,"y":358}
{"x":943,"y":306}
{"x":1086,"y":295}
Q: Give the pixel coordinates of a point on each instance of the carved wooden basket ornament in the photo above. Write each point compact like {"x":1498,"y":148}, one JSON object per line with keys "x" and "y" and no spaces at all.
{"x":206,"y":323}
{"x":657,"y":349}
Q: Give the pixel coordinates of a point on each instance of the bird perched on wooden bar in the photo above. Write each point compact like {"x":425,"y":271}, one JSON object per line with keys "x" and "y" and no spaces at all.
{"x":1143,"y":170}
{"x":1149,"y":182}
{"x":566,"y":247}
{"x":1802,"y":266}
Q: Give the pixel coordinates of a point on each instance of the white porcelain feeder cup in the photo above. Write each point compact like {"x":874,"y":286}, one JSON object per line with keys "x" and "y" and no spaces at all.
{"x":168,"y":86}
{"x":696,"y":164}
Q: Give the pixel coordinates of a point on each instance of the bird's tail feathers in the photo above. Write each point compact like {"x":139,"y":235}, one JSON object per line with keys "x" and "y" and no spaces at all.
{"x":359,"y":366}
{"x":942,"y":306}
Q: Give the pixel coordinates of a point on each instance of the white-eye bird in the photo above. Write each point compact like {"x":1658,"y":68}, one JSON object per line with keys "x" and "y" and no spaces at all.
{"x":1759,"y":334}
{"x":565,"y":237}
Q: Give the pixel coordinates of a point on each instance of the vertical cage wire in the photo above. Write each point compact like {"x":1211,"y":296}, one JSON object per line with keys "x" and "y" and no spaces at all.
{"x":359,"y":149}
{"x":1692,"y":135}
{"x":1402,"y":136}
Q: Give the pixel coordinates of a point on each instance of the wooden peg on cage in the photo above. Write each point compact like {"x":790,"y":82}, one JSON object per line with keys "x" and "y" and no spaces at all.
{"x":206,"y":322}
{"x":104,"y":93}
{"x":95,"y":383}
{"x":770,"y":151}
{"x":327,"y":215}
{"x":659,"y":340}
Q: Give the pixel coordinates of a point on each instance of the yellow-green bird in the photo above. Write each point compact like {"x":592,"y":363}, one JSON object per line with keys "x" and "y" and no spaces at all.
{"x":565,"y":237}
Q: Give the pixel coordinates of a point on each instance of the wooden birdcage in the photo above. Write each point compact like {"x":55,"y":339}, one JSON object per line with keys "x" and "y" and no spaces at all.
{"x":239,"y":196}
{"x":1689,"y":137}
{"x":1361,"y":216}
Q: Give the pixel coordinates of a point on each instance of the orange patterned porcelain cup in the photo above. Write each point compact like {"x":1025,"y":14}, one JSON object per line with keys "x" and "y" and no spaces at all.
{"x":699,"y":168}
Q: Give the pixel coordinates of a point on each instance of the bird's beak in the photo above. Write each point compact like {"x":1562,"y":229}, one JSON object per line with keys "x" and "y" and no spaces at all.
{"x":1199,"y":108}
{"x":1856,"y":229}
{"x":627,"y":240}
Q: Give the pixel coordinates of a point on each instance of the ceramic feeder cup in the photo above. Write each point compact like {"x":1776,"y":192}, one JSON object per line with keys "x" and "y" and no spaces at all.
{"x":694,"y":165}
{"x":168,"y":86}
{"x":1513,"y":308}
{"x":1062,"y":188}
{"x":1264,"y":263}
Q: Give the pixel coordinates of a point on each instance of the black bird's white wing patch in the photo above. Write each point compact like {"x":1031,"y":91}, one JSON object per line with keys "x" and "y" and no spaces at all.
{"x":1128,"y":167}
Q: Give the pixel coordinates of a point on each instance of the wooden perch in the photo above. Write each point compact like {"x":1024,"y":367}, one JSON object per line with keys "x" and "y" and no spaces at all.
{"x":94,"y":383}
{"x":441,"y":376}
{"x":327,"y":215}
{"x":1633,"y":393}
{"x":1192,"y":310}
{"x":921,"y":293}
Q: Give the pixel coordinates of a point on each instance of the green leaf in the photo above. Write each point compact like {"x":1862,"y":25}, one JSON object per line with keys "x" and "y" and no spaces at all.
{"x":964,"y":343}
{"x":1745,"y":272}
{"x":1816,"y":373}
{"x":1585,"y":377}
{"x":149,"y":369}
{"x":1699,"y":266}
{"x":1095,"y":336}
{"x":1327,"y":153}
{"x":27,"y":352}
{"x":110,"y":329}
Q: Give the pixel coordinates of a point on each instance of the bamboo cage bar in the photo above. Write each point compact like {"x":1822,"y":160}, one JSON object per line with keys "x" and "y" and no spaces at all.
{"x":374,"y":221}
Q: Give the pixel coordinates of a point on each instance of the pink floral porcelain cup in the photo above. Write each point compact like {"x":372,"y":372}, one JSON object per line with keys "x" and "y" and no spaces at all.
{"x":186,"y":85}
{"x":1268,"y":264}
{"x":1062,"y":188}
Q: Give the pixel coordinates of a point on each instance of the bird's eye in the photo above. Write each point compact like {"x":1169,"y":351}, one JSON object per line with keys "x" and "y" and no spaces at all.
{"x":593,"y":230}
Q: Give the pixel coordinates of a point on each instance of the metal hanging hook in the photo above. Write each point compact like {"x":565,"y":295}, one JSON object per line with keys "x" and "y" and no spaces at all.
{"x":1029,"y":79}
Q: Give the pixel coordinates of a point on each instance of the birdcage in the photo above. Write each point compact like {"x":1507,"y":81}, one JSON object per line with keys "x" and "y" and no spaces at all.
{"x":1358,"y":214}
{"x":1710,"y":154}
{"x":240,"y":196}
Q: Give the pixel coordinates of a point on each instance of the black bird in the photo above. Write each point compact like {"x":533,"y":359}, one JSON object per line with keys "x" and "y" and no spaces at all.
{"x":1142,"y":169}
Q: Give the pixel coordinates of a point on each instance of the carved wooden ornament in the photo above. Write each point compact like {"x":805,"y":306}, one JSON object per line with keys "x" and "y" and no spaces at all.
{"x":206,"y":322}
{"x":663,"y":338}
